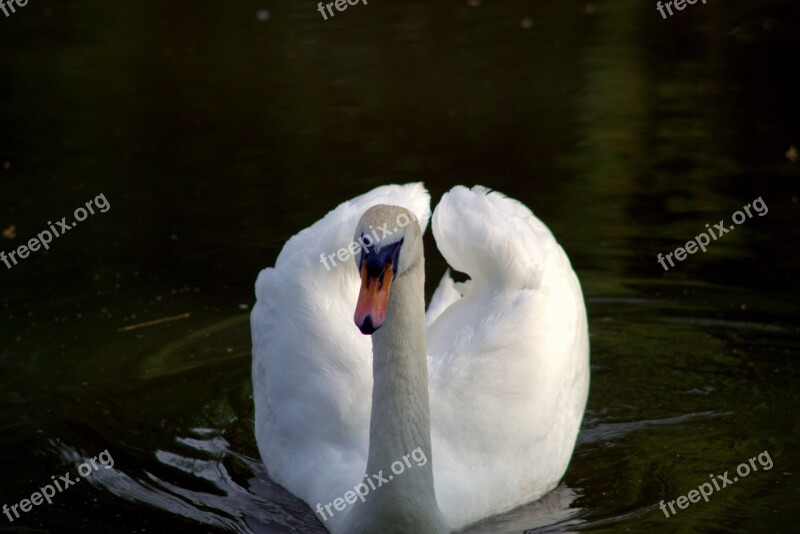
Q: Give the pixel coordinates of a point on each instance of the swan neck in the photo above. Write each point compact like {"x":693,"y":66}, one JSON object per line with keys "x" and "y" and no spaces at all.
{"x":400,"y":420}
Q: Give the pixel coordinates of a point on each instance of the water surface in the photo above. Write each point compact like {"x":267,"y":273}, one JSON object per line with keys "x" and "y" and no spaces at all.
{"x":216,"y":134}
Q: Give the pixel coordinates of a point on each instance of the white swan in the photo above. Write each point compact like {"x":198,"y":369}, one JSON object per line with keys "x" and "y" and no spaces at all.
{"x":492,"y":404}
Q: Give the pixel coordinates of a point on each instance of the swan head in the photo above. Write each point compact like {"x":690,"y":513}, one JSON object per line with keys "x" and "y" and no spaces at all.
{"x":391,"y":242}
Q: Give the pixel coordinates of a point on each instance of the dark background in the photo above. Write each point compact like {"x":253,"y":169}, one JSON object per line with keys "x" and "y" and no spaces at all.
{"x":216,"y":130}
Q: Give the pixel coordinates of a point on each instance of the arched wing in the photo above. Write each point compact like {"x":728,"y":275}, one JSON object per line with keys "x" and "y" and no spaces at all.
{"x":508,"y":357}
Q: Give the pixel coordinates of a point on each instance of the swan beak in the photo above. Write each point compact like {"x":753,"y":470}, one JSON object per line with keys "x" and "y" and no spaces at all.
{"x":373,"y":298}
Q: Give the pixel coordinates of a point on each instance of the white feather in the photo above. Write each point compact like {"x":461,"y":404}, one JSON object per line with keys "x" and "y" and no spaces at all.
{"x":508,"y":357}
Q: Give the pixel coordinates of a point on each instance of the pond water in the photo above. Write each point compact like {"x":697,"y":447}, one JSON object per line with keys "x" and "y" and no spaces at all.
{"x":217,"y":131}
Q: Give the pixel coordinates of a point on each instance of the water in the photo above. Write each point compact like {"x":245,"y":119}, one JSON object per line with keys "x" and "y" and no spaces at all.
{"x":216,"y":133}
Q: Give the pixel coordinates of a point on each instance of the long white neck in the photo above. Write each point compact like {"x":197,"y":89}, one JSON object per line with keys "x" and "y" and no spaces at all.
{"x":401,"y":419}
{"x":400,"y":422}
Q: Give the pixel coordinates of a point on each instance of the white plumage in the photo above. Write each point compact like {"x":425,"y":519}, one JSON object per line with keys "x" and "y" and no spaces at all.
{"x":508,"y":357}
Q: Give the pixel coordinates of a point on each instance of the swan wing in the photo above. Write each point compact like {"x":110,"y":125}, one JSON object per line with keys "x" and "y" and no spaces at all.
{"x":508,"y":357}
{"x":312,"y":368}
{"x":445,"y":294}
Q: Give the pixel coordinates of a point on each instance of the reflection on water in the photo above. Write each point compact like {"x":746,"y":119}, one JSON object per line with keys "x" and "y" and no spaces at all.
{"x":217,"y":133}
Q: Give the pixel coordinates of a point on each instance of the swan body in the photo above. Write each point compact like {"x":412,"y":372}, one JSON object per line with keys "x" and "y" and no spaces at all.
{"x":436,"y":420}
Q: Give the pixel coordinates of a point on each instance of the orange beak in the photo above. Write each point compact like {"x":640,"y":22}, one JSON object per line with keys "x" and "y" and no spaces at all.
{"x":373,"y":298}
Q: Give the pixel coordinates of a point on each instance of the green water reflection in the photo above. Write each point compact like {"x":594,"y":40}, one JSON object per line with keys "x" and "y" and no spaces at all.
{"x":216,"y":135}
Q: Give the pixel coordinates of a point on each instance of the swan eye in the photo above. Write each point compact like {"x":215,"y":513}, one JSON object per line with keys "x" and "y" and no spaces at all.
{"x":377,"y":259}
{"x":396,"y":255}
{"x":378,"y":268}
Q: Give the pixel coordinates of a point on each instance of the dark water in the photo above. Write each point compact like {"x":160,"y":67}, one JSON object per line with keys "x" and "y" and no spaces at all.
{"x":215,"y":135}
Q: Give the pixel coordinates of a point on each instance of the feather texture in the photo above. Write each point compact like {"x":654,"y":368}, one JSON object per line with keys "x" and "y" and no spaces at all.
{"x":508,"y":357}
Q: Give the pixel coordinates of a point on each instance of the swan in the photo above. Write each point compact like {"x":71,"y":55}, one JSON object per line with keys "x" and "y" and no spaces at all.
{"x":415,"y":421}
